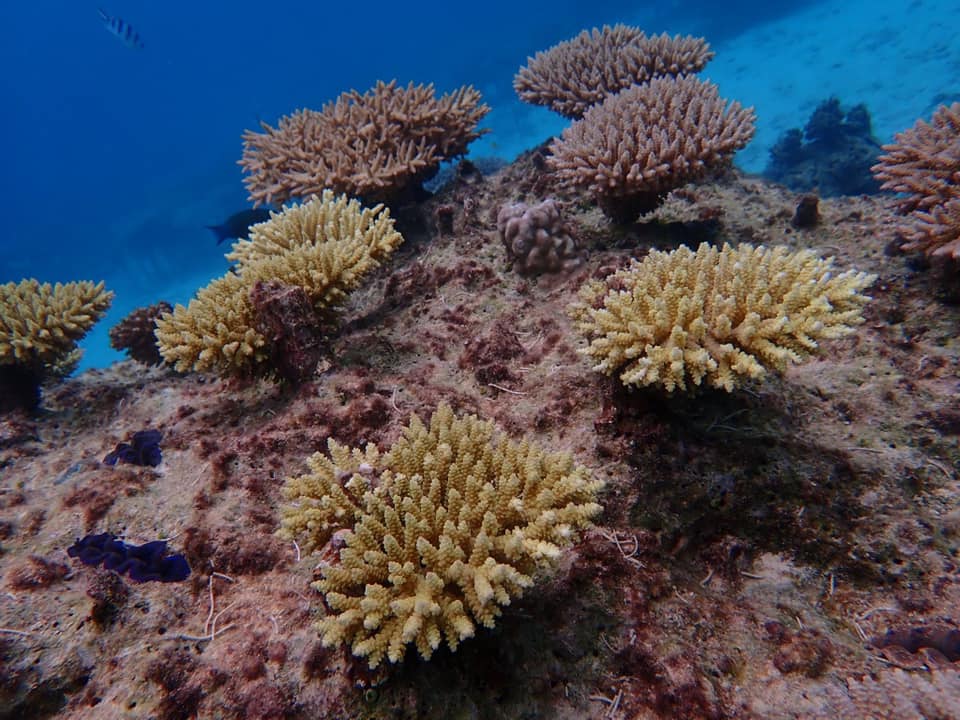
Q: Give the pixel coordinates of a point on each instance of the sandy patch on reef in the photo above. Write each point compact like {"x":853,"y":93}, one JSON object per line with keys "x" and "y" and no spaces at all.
{"x":748,"y":539}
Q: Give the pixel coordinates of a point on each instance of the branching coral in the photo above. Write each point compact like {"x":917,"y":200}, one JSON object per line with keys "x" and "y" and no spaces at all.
{"x":924,"y":164}
{"x":437,"y":534}
{"x":680,"y":318}
{"x":936,"y":231}
{"x":575,"y":74}
{"x":135,"y":333}
{"x":638,"y":145}
{"x":40,"y":325}
{"x":377,"y":145}
{"x":324,"y":246}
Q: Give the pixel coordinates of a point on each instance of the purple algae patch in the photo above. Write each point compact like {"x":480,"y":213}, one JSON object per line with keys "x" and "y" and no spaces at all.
{"x":142,"y":563}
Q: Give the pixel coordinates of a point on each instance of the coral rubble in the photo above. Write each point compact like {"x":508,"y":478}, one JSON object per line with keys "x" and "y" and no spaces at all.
{"x":681,"y":318}
{"x":435,"y":535}
{"x":636,"y":146}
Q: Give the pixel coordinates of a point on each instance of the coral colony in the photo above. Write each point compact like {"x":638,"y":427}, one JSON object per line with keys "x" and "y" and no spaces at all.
{"x":749,"y":500}
{"x":453,"y":522}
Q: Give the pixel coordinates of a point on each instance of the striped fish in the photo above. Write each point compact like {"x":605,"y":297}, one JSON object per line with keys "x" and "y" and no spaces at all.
{"x":119,"y":27}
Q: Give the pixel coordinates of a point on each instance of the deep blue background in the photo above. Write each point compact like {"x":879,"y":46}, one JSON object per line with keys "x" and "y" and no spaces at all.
{"x":116,"y":158}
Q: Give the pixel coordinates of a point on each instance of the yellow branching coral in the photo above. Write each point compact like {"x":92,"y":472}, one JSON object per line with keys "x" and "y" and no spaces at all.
{"x":681,"y":318}
{"x":40,"y":324}
{"x":376,"y":145}
{"x":636,"y":146}
{"x":323,"y":247}
{"x":924,"y":164}
{"x":575,"y":74}
{"x":437,"y":534}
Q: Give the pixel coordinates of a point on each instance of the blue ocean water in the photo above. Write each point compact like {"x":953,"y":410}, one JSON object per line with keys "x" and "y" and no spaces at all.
{"x":117,"y":157}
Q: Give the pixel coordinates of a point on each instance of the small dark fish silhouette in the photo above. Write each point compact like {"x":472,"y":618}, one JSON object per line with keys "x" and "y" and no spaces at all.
{"x":119,"y":27}
{"x":237,"y":226}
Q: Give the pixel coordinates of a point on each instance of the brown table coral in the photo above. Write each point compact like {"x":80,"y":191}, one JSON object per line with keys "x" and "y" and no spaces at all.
{"x":575,"y":74}
{"x":636,"y":146}
{"x":379,"y":145}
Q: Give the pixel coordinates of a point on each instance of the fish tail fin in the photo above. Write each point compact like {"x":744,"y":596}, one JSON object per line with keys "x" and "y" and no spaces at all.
{"x":220,"y":231}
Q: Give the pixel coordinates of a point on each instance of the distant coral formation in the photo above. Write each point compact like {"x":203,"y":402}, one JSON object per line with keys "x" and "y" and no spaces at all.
{"x":319,"y":250}
{"x":536,"y":238}
{"x":638,"y":145}
{"x":833,"y":154}
{"x":40,"y":325}
{"x":435,"y":535}
{"x":379,"y":145}
{"x":681,"y":318}
{"x":575,"y":74}
{"x":136,"y":333}
{"x":923,"y":163}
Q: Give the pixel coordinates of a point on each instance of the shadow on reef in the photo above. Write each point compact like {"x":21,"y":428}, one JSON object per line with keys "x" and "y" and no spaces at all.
{"x":719,"y":465}
{"x":833,"y":153}
{"x":27,"y":695}
{"x":544,"y":645}
{"x":19,"y":389}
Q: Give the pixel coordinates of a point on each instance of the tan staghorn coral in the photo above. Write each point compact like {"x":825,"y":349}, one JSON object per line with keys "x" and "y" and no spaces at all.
{"x":40,"y":324}
{"x":575,"y":74}
{"x":378,"y":145}
{"x":638,"y":145}
{"x":323,"y":247}
{"x":437,"y":534}
{"x":924,"y":164}
{"x":681,"y":318}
